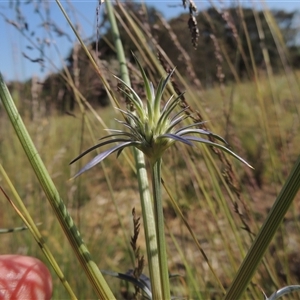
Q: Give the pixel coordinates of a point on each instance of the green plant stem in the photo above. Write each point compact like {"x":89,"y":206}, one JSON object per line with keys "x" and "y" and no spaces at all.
{"x":63,"y":216}
{"x":118,"y":42}
{"x":265,"y":235}
{"x":145,"y":197}
{"x":149,"y":227}
{"x":160,"y":231}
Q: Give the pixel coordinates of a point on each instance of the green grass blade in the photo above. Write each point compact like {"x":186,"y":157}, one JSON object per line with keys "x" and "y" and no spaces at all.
{"x":53,"y":196}
{"x":265,"y":235}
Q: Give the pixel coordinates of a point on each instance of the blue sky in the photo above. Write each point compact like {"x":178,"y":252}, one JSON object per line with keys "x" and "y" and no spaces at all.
{"x":13,"y":64}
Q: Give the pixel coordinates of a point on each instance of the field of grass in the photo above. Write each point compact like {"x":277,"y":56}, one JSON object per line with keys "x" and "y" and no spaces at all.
{"x":213,"y":204}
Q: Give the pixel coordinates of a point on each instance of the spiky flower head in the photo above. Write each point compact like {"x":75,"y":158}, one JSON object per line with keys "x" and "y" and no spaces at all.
{"x":151,"y":127}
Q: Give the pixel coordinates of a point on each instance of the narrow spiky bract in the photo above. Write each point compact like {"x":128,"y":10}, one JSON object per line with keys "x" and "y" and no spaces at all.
{"x":152,"y":129}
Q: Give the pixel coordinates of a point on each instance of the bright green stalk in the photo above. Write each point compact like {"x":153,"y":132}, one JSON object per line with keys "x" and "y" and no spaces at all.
{"x":159,"y":217}
{"x":265,"y":235}
{"x":118,"y":42}
{"x":146,"y":203}
{"x":73,"y":235}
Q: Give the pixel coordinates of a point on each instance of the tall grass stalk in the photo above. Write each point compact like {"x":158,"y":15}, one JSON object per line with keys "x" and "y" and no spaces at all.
{"x":64,"y":218}
{"x":265,"y":235}
{"x":153,"y":224}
